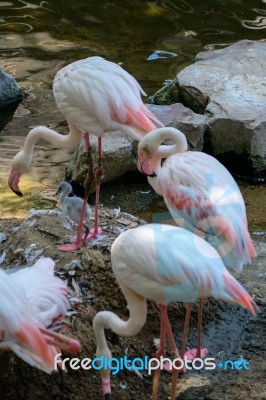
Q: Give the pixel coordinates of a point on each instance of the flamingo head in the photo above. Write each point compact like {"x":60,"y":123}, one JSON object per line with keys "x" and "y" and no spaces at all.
{"x":19,"y":165}
{"x":144,"y":163}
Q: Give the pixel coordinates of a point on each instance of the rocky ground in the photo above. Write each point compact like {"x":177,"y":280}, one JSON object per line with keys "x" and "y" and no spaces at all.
{"x":228,"y":331}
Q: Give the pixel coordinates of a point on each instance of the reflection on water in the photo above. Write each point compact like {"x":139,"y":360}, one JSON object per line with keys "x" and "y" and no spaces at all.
{"x":152,"y":40}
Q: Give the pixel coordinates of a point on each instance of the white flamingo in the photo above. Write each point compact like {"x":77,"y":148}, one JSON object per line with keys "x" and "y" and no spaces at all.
{"x":96,"y":96}
{"x":163,"y":263}
{"x":201,"y":195}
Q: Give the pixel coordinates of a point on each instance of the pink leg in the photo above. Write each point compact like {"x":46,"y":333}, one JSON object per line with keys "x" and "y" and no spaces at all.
{"x":88,"y":181}
{"x":185,"y":331}
{"x":190,"y":354}
{"x":97,"y":230}
{"x":161,"y":351}
{"x":175,"y":354}
{"x":201,"y":353}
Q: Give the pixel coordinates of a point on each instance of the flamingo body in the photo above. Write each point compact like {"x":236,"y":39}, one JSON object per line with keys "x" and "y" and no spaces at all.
{"x":200,"y":193}
{"x":172,"y":264}
{"x":98,"y":96}
{"x":31,"y":299}
{"x":163,"y":263}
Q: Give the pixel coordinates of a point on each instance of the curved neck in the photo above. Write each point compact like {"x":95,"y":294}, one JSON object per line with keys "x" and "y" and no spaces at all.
{"x":153,"y":141}
{"x":105,"y":319}
{"x":62,"y":141}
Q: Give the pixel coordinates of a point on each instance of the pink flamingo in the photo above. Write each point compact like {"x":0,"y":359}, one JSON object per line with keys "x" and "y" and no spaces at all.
{"x":163,"y":263}
{"x":95,"y":96}
{"x":201,"y":195}
{"x":30,"y":300}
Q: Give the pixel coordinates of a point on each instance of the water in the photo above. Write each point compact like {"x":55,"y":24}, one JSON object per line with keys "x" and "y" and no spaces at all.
{"x":152,"y":40}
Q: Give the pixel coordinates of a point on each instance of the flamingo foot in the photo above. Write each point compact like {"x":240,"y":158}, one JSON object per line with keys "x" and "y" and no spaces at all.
{"x":69,"y":247}
{"x":94,"y":233}
{"x":191,"y":354}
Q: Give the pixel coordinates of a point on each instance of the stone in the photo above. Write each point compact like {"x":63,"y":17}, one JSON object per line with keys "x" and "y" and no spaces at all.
{"x":229,"y":87}
{"x":10,"y":97}
{"x":180,"y":117}
{"x":117,"y":158}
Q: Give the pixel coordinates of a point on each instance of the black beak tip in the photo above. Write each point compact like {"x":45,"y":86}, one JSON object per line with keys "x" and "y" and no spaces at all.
{"x":17,"y":192}
{"x":107,"y":396}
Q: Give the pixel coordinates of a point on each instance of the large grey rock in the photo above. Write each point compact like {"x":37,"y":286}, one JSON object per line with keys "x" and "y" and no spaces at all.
{"x":117,"y":158}
{"x":229,"y":87}
{"x":119,"y":151}
{"x":10,"y":97}
{"x":178,"y":116}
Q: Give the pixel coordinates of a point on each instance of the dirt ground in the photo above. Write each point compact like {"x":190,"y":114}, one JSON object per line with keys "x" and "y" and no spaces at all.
{"x":229,"y":332}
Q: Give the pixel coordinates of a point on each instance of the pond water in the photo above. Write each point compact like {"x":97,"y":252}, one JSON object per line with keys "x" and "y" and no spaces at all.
{"x":152,"y":40}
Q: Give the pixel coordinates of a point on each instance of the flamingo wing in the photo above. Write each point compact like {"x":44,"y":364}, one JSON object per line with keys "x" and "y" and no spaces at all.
{"x":203,"y":197}
{"x":163,"y":263}
{"x":45,"y":292}
{"x":166,"y":263}
{"x":101,"y":95}
{"x":19,"y":330}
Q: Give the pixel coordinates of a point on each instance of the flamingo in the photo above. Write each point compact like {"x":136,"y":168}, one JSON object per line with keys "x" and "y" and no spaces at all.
{"x":163,"y":263}
{"x":30,"y":300}
{"x":201,"y":195}
{"x":72,"y":207}
{"x":95,"y":96}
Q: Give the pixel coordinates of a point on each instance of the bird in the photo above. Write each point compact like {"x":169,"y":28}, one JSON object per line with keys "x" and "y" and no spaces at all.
{"x":31,"y":299}
{"x":163,"y":263}
{"x":96,"y":96}
{"x":201,"y":195}
{"x":72,"y":207}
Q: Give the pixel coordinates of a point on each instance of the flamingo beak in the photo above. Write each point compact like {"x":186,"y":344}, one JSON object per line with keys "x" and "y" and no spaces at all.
{"x":144,"y":167}
{"x":13,"y":182}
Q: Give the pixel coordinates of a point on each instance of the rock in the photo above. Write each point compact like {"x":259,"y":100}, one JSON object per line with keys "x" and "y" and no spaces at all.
{"x":229,"y":87}
{"x":119,"y":151}
{"x":10,"y":97}
{"x":178,"y":116}
{"x":117,"y":158}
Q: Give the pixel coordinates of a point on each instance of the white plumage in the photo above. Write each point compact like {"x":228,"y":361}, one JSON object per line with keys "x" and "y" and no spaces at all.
{"x":99,"y":96}
{"x":200,"y":193}
{"x":30,"y":300}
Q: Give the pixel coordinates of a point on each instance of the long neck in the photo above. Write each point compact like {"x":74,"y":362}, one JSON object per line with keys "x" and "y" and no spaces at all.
{"x":160,"y":151}
{"x":62,"y":141}
{"x":106,"y":319}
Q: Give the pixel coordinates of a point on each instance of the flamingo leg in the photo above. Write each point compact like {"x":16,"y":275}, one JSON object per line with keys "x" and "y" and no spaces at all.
{"x":161,"y":351}
{"x":190,"y":354}
{"x":185,"y":329}
{"x":88,"y":181}
{"x":175,"y":354}
{"x":199,"y":350}
{"x":97,"y":230}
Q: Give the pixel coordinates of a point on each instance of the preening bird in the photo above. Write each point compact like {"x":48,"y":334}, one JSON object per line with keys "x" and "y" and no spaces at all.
{"x":72,"y":207}
{"x":165,"y":264}
{"x":95,"y":96}
{"x":30,"y":300}
{"x":200,"y":193}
